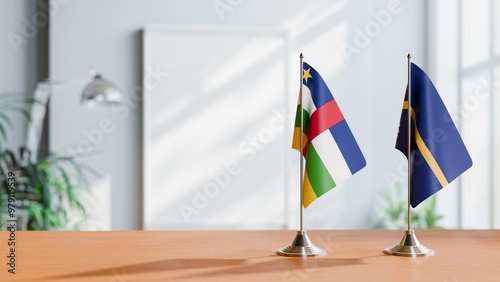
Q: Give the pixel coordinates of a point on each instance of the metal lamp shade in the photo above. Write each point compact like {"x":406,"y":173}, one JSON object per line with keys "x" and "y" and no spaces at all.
{"x":101,"y":91}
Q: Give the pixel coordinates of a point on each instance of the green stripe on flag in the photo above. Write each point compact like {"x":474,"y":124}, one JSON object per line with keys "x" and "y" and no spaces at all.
{"x":319,"y":177}
{"x":306,"y":120}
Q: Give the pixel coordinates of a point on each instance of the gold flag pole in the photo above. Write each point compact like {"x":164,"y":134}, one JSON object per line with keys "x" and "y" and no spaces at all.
{"x":301,"y":245}
{"x":409,"y":245}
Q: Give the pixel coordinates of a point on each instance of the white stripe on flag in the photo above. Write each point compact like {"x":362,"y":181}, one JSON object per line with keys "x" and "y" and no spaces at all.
{"x":307,"y":100}
{"x":329,"y":153}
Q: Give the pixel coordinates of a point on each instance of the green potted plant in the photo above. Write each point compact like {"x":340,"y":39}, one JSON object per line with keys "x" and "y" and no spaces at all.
{"x":392,"y":212}
{"x":51,"y":192}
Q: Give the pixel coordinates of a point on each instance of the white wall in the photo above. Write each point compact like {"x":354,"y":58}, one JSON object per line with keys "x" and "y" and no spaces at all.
{"x":18,"y":57}
{"x":369,"y":87}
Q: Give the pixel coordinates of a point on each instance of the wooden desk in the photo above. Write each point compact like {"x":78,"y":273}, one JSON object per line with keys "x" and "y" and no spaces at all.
{"x":247,"y":255}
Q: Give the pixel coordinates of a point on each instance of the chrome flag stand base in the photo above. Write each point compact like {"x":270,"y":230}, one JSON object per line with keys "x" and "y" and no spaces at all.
{"x":409,"y":247}
{"x":301,"y":247}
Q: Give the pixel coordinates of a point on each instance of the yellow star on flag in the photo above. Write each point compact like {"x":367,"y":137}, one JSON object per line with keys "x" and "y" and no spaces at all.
{"x":307,"y":75}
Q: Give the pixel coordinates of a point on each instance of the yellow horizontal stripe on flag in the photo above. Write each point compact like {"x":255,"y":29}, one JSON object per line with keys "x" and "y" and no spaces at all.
{"x":331,"y":156}
{"x":309,"y":196}
{"x":424,"y":150}
{"x":296,"y":139}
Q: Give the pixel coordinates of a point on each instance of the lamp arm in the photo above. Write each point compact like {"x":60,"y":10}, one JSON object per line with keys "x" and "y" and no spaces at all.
{"x":97,"y":88}
{"x":37,"y":116}
{"x":39,"y":109}
{"x":72,"y":81}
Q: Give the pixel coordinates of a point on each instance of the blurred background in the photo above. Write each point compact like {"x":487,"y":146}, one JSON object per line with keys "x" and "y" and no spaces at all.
{"x":202,"y":136}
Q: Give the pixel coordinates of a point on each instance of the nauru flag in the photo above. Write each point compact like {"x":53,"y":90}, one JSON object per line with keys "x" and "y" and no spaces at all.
{"x":438,"y":153}
{"x":331,"y":152}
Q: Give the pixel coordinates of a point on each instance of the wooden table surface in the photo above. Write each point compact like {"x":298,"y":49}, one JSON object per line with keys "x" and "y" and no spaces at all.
{"x":461,"y":255}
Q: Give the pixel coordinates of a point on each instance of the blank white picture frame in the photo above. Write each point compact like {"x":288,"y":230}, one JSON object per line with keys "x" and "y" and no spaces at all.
{"x":216,"y":129}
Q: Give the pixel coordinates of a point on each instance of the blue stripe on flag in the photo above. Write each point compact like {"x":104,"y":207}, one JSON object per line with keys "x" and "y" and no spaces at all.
{"x":422,"y":176}
{"x":348,"y":146}
{"x":319,"y":91}
{"x":437,"y":128}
